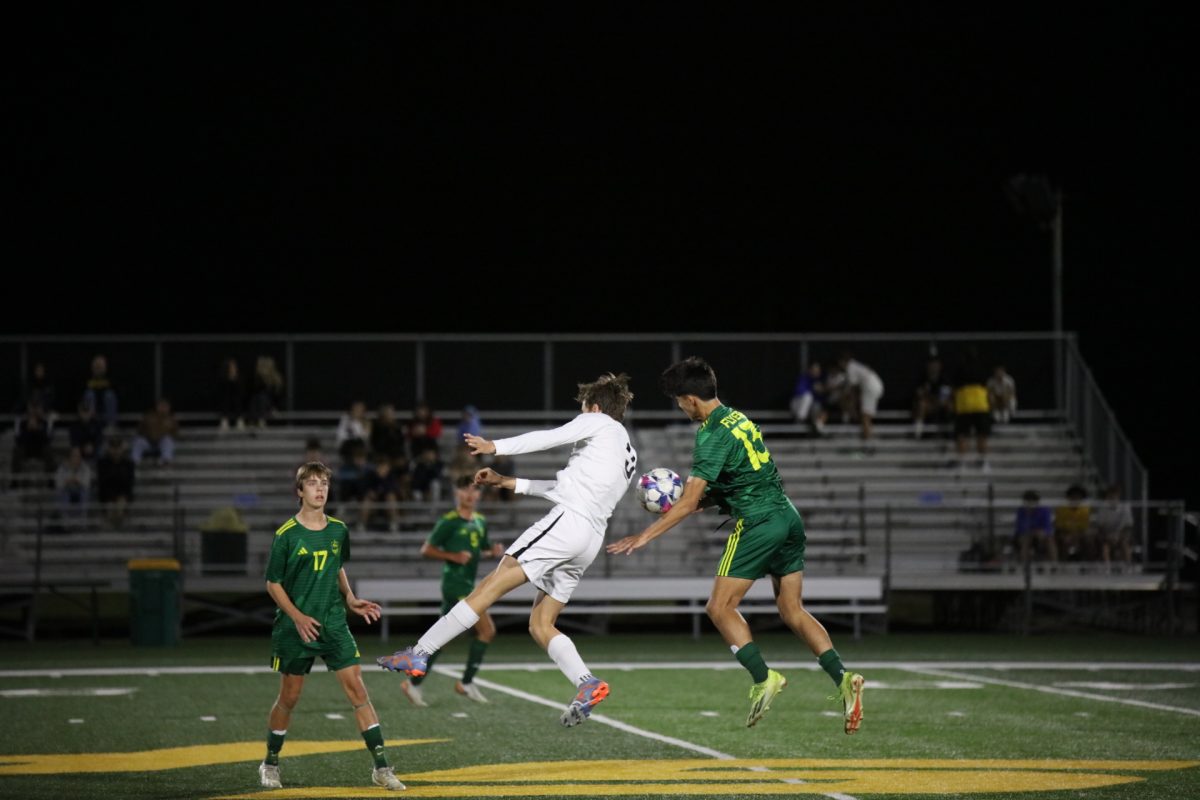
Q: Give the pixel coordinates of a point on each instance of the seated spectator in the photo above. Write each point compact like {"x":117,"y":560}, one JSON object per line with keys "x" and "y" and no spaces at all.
{"x":933,"y":399}
{"x":40,"y":392}
{"x":427,"y":473}
{"x":231,"y":398}
{"x":87,"y":432}
{"x":31,"y":453}
{"x":866,"y":388}
{"x":809,"y":397}
{"x":462,"y":464}
{"x":1112,"y":527}
{"x":156,"y":435}
{"x":100,"y":394}
{"x":972,"y":415}
{"x":1002,"y":394}
{"x":353,"y":429}
{"x":1071,"y":527}
{"x":423,"y":432}
{"x":312,"y":451}
{"x":114,"y":481}
{"x":73,"y":483}
{"x":349,"y":481}
{"x":266,"y":392}
{"x":381,"y":484}
{"x":469,"y":422}
{"x":387,"y":437}
{"x":1034,"y":529}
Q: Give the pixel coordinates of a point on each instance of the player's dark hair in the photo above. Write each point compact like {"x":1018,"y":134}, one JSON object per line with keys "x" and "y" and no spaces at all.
{"x":463,"y":481}
{"x":693,"y":375}
{"x":610,"y":392}
{"x":310,"y":469}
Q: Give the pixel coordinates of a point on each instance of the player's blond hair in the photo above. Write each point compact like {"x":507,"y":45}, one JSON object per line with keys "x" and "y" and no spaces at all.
{"x":310,"y":469}
{"x":610,"y":392}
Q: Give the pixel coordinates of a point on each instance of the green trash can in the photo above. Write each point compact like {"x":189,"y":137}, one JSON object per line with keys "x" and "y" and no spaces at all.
{"x":223,"y":543}
{"x":154,"y":601}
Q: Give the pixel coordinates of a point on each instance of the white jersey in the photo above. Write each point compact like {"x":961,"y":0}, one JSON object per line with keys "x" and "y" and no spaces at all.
{"x":597,"y":474}
{"x":862,"y":376}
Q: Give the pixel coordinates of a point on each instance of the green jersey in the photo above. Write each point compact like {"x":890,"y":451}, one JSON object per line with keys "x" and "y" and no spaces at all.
{"x":306,"y":563}
{"x":730,"y":455}
{"x":454,"y":535}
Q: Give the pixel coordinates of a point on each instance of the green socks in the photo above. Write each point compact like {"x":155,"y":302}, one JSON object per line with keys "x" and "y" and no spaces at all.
{"x":750,"y":658}
{"x":831,"y":662}
{"x":274,"y":745}
{"x":474,"y":660}
{"x":416,"y":681}
{"x":373,"y":736}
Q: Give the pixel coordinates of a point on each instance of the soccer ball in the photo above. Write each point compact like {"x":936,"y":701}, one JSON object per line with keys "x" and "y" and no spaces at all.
{"x":659,"y":489}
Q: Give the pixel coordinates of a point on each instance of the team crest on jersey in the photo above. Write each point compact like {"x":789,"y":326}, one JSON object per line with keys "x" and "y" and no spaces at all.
{"x":334,"y":547}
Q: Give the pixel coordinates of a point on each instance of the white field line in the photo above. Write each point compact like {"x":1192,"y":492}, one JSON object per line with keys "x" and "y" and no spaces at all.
{"x":941,"y":673}
{"x":621,"y":726}
{"x":627,"y":666}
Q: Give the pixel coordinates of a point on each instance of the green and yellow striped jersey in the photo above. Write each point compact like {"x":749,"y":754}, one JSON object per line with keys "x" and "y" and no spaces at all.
{"x":306,"y":563}
{"x":730,"y":455}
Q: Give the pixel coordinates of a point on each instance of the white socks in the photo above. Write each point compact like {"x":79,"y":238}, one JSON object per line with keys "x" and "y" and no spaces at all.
{"x":563,"y":651}
{"x":460,"y":618}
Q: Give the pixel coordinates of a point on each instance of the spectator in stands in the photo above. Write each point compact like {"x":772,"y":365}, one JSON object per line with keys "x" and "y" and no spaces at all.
{"x":231,"y":396}
{"x":808,"y":399}
{"x":100,"y":393}
{"x":1034,"y":529}
{"x":114,"y":481}
{"x":866,"y":388}
{"x":381,"y":485}
{"x":87,"y":432}
{"x":73,"y":483}
{"x":156,"y":435}
{"x":972,"y":415}
{"x":32,"y":454}
{"x":351,"y":477}
{"x":427,"y":474}
{"x":39,"y":392}
{"x":1112,"y":524}
{"x":933,"y":400}
{"x":312,"y":451}
{"x":387,"y":437}
{"x":1002,"y":394}
{"x":266,"y":392}
{"x":1071,"y":523}
{"x":469,"y":423}
{"x":423,"y":432}
{"x":463,"y":463}
{"x":353,"y":430}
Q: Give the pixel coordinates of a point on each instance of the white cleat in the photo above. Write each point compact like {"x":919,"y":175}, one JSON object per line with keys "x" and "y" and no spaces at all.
{"x":470,"y":691}
{"x":413,"y":693}
{"x":268,"y":776}
{"x":386,"y":777}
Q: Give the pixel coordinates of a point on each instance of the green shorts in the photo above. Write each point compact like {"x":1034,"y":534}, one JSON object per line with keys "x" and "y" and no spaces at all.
{"x":772,"y":544}
{"x":291,"y":656}
{"x":451,"y":596}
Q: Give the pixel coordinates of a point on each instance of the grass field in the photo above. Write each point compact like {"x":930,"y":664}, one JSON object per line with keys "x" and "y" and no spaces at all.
{"x":1088,"y":716}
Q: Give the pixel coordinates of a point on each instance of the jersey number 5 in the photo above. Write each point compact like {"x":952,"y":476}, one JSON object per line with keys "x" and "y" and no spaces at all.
{"x":751,"y":437}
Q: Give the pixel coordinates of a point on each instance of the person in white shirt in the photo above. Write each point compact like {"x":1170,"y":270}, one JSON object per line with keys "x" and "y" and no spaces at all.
{"x":868,"y":386}
{"x":554,"y":552}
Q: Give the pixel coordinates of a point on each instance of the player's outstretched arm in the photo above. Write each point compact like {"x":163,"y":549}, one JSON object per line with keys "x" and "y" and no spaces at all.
{"x":364,"y":608}
{"x":693,"y":496}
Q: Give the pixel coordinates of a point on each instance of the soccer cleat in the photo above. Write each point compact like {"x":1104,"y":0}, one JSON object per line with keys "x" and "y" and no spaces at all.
{"x":470,"y":691}
{"x":268,"y":776}
{"x":761,"y":695}
{"x":386,"y":777}
{"x":413,"y":693}
{"x":851,"y":692}
{"x":408,"y":661}
{"x":589,"y":696}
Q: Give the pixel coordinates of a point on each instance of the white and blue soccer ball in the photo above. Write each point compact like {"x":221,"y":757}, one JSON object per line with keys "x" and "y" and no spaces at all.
{"x":659,"y":489}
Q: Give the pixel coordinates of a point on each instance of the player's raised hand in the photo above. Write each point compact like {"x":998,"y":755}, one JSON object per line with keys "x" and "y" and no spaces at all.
{"x":627,"y":545}
{"x":479,"y":445}
{"x":488,"y":477}
{"x":365,"y":609}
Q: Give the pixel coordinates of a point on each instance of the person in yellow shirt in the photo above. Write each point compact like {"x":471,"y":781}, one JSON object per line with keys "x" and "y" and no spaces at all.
{"x":972,"y":411}
{"x":1071,"y":527}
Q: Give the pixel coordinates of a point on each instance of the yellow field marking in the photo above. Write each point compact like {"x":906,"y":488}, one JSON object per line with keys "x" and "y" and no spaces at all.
{"x":173,"y":757}
{"x":706,"y":777}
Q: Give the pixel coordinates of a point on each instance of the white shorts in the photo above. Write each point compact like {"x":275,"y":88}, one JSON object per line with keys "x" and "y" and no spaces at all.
{"x":555,"y":551}
{"x":869,"y":395}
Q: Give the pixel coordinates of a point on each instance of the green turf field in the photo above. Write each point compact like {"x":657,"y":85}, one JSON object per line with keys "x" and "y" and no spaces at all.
{"x":1090,"y":716}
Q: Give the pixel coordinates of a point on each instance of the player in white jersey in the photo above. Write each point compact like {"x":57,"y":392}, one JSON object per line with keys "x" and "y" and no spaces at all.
{"x":554,"y":552}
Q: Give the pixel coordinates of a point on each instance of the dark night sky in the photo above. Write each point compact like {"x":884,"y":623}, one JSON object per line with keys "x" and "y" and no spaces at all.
{"x":396,"y":167}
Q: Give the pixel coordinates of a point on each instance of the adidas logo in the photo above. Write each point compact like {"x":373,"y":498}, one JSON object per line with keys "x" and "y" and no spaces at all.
{"x":303,"y":551}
